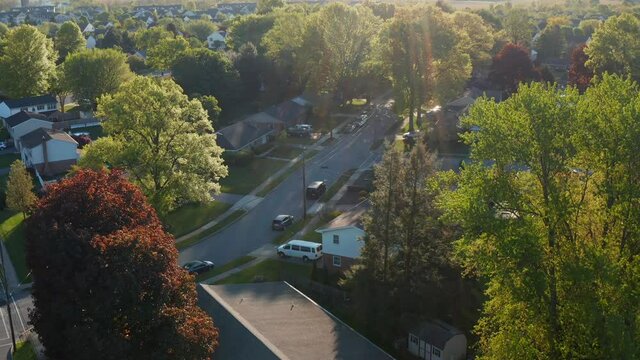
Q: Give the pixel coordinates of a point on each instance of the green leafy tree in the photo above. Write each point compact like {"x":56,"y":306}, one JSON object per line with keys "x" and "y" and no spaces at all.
{"x":206,"y":72}
{"x":266,"y":6}
{"x":92,"y":73}
{"x":92,"y":237}
{"x":477,"y":37}
{"x":250,"y":28}
{"x":605,"y":49}
{"x":544,"y":223}
{"x":163,"y":55}
{"x":20,"y":196}
{"x":200,"y":28}
{"x":69,"y":39}
{"x":552,"y":42}
{"x":517,"y":26}
{"x":162,"y":139}
{"x":148,"y":38}
{"x":27,"y":62}
{"x":4,"y":29}
{"x":210,"y":105}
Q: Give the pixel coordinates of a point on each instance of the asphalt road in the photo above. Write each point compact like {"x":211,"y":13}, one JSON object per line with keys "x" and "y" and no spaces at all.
{"x":20,"y":306}
{"x":254,"y":229}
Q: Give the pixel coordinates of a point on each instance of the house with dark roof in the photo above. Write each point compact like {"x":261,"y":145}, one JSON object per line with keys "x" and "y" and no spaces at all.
{"x":256,"y":130}
{"x":49,"y":152}
{"x":291,"y":112}
{"x":273,"y":320}
{"x":437,"y":340}
{"x":25,"y":122}
{"x":343,"y":239}
{"x":36,"y":104}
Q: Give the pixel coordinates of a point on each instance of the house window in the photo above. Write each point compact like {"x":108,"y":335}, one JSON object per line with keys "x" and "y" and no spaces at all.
{"x":336,"y":239}
{"x":413,"y":339}
{"x":51,"y":106}
{"x":436,"y":352}
{"x":40,"y":107}
{"x":24,"y":109}
{"x":337,"y":261}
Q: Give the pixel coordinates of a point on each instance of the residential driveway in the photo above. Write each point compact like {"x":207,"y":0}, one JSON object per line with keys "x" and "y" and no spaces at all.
{"x":254,"y":229}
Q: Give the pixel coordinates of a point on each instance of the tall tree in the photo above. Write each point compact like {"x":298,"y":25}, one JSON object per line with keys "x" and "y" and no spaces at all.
{"x":162,"y":139}
{"x":210,"y":105}
{"x":517,"y":26}
{"x":512,"y":66}
{"x":148,"y":38}
{"x":163,"y":55}
{"x":250,"y":68}
{"x":266,"y":6}
{"x":545,"y":223}
{"x":27,"y":62}
{"x":93,"y":73}
{"x":606,"y":52}
{"x":94,"y":237}
{"x":207,"y":72}
{"x":20,"y":196}
{"x":579,"y":75}
{"x":69,"y":39}
{"x":249,"y":28}
{"x":477,"y":37}
{"x":200,"y":28}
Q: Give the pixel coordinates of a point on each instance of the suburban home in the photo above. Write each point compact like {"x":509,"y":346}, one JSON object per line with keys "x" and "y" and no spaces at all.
{"x":49,"y":152}
{"x":216,"y":41}
{"x":291,"y":112}
{"x":437,"y":340}
{"x":245,"y":134}
{"x":25,"y":122}
{"x":89,"y":29}
{"x":273,"y":320}
{"x":36,"y":104}
{"x":343,"y":239}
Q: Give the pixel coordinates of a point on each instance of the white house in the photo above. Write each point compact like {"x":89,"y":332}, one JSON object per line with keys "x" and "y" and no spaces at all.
{"x":25,"y":122}
{"x":91,"y":42}
{"x":437,"y":340}
{"x":37,"y":104}
{"x":89,"y":29}
{"x":216,"y":40}
{"x":50,"y":152}
{"x":343,"y":239}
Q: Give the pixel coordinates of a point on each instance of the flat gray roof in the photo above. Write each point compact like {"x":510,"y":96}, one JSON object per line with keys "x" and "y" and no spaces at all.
{"x":282,"y":320}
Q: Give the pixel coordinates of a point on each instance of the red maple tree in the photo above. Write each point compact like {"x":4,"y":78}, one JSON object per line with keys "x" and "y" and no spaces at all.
{"x":511,"y":66}
{"x":106,"y":282}
{"x":579,"y":75}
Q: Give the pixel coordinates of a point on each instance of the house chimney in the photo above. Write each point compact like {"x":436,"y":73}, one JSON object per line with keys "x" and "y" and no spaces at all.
{"x":45,"y":156}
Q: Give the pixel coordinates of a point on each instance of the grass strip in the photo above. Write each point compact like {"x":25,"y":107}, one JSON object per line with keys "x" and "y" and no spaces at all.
{"x":292,"y":230}
{"x":268,"y":270}
{"x":224,"y":268}
{"x":275,"y":182}
{"x":25,"y":351}
{"x":236,"y":215}
{"x":333,"y":189}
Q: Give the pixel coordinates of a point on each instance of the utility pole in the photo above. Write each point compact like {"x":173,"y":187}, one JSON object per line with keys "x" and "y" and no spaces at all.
{"x":304,"y":186}
{"x":8,"y":299}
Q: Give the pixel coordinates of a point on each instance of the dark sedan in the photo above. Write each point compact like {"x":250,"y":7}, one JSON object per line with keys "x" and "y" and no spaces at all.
{"x":198,"y":266}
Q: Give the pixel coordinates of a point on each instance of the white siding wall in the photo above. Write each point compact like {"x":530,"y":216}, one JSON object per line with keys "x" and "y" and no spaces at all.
{"x":350,"y":242}
{"x":456,"y":348}
{"x":5,"y":112}
{"x":56,"y":151}
{"x":26,"y":127}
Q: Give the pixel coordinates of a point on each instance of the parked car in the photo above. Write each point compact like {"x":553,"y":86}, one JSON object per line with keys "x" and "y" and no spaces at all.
{"x":316,"y":189}
{"x":198,"y":266}
{"x":305,"y":250}
{"x":3,"y":145}
{"x":300,"y":130}
{"x":281,"y":222}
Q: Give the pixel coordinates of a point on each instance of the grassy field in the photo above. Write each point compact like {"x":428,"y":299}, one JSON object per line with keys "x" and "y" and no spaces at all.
{"x":224,"y":268}
{"x":25,"y":351}
{"x":243,"y":179}
{"x":268,"y":270}
{"x":7,"y":159}
{"x":286,"y":152}
{"x":212,"y":230}
{"x":12,"y":231}
{"x":190,"y":217}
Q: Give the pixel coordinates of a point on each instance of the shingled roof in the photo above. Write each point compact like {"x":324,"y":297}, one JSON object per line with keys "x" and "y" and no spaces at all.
{"x":22,"y":116}
{"x":40,"y":135}
{"x":30,"y":101}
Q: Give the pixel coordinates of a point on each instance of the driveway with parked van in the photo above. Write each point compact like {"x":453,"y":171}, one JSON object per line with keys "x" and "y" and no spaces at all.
{"x":254,"y":230}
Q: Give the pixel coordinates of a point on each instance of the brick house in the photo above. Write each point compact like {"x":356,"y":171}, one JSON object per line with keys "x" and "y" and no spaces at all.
{"x":343,"y":239}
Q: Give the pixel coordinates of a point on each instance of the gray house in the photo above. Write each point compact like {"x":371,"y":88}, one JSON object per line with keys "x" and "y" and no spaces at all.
{"x":273,"y":320}
{"x":247,"y":133}
{"x":437,"y":340}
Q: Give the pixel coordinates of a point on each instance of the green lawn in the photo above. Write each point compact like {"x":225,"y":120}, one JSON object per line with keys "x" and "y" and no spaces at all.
{"x":212,"y":230}
{"x":312,"y":236}
{"x":243,"y":179}
{"x":7,"y":159}
{"x":275,"y":182}
{"x":12,"y":231}
{"x":286,"y":152}
{"x":292,"y":230}
{"x":224,"y":268}
{"x":192,"y":216}
{"x":296,"y":140}
{"x":25,"y":351}
{"x":268,"y":270}
{"x":333,"y":189}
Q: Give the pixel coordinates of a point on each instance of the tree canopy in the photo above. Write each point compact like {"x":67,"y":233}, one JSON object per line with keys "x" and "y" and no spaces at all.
{"x":94,"y":237}
{"x":69,"y":39}
{"x":27,"y":62}
{"x":163,"y":55}
{"x":512,"y":66}
{"x":615,"y":47}
{"x":20,"y":196}
{"x":162,"y":139}
{"x":93,"y":73}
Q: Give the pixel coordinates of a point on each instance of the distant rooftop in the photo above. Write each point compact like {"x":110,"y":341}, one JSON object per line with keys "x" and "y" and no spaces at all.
{"x":275,"y":321}
{"x":30,"y":101}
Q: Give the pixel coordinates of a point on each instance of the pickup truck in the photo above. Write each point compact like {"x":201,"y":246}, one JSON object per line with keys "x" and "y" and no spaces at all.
{"x":301,"y":130}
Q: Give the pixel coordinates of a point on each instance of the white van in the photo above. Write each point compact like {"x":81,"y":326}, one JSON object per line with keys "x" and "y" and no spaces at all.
{"x":306,"y":250}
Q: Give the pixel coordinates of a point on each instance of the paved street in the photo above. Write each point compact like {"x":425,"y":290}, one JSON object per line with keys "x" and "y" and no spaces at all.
{"x":254,"y":229}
